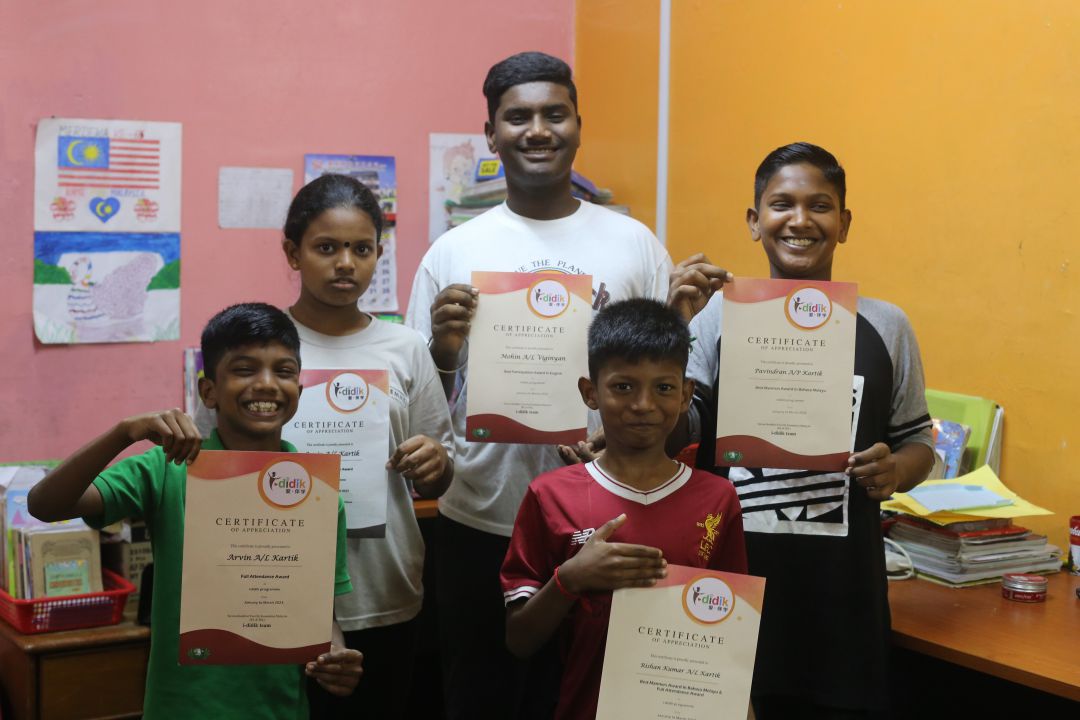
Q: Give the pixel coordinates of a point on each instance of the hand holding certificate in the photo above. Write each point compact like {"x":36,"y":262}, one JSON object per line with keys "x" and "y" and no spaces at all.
{"x":786,"y":363}
{"x":527,"y":350}
{"x":260,"y":534}
{"x":683,"y":648}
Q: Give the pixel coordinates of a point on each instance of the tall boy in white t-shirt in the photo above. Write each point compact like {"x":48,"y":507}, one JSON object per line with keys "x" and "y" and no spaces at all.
{"x":534,"y":127}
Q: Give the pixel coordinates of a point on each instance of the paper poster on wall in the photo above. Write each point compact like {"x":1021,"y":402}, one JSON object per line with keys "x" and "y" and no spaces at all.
{"x":205,"y":418}
{"x":106,"y":231}
{"x":106,"y":287}
{"x":378,"y":173}
{"x":107,"y":176}
{"x":464,"y":180}
{"x":253,"y":197}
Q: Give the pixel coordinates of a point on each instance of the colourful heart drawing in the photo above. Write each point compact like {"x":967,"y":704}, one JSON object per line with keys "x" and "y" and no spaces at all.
{"x":104,"y":208}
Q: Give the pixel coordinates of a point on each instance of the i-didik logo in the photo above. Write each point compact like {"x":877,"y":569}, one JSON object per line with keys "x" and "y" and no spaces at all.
{"x":284,"y":484}
{"x":708,"y":600}
{"x":808,"y":308}
{"x":549,"y":298}
{"x":347,"y":392}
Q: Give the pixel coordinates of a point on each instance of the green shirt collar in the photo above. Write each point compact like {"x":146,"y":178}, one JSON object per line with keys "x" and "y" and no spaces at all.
{"x":214,"y":443}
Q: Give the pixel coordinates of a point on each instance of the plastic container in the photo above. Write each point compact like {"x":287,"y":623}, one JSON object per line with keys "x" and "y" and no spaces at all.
{"x":69,"y":612}
{"x":1023,"y":588}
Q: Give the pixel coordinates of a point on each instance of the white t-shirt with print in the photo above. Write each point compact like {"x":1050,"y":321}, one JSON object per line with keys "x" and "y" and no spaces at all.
{"x":625,"y":261}
{"x":387,"y":572}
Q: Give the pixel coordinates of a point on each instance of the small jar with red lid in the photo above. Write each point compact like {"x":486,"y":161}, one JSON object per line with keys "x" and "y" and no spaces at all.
{"x":1023,"y":588}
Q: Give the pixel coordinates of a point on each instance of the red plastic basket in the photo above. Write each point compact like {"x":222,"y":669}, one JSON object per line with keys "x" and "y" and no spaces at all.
{"x":69,"y":612}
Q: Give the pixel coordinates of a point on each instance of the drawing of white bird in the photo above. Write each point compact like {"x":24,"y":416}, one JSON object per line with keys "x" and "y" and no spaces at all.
{"x":119,"y":295}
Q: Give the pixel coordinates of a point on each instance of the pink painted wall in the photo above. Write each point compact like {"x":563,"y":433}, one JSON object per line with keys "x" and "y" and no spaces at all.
{"x":255,"y":83}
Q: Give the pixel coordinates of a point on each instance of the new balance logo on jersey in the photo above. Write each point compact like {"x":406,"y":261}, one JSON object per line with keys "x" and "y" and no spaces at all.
{"x":581,"y":536}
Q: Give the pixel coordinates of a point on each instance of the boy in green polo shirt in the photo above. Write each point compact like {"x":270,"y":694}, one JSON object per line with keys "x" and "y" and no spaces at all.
{"x":251,"y":353}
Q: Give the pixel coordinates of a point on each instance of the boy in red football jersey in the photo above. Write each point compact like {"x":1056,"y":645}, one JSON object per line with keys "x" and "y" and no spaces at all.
{"x":587,"y":529}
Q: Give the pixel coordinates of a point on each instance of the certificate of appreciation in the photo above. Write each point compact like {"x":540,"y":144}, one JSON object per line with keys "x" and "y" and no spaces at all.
{"x":786,"y":364}
{"x":683,"y":648}
{"x":260,"y":541}
{"x":527,"y":349}
{"x":347,"y":413}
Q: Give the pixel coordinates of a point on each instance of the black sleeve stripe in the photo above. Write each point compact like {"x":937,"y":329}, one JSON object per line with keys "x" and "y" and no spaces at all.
{"x":923,"y":421}
{"x":893,"y":439}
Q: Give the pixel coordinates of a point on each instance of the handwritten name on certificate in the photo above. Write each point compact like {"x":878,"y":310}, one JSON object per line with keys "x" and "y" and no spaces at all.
{"x":786,"y":365}
{"x":683,"y":648}
{"x":527,"y":349}
{"x":260,"y":541}
{"x":347,"y":413}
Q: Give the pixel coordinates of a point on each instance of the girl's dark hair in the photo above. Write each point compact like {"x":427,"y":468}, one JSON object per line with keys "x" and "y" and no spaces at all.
{"x":330,"y":191}
{"x":246,"y":324}
{"x":794,"y":154}
{"x":634,"y":330}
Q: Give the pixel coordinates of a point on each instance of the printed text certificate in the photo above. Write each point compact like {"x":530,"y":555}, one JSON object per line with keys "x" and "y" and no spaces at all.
{"x":527,"y":349}
{"x":787,"y":356}
{"x":347,"y":413}
{"x":683,"y":648}
{"x":260,"y":540}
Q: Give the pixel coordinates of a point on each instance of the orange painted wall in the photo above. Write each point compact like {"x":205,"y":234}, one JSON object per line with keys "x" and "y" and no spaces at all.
{"x":618,"y":41}
{"x":957,"y":123}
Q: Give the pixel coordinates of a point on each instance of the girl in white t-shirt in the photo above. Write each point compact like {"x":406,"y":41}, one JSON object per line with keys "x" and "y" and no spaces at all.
{"x":333,"y":239}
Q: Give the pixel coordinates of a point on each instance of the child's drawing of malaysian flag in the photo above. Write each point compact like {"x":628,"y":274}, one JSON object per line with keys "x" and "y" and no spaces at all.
{"x":103,"y":162}
{"x":107,"y":176}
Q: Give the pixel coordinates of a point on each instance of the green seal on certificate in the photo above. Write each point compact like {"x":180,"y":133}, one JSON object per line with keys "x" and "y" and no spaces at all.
{"x":198,"y":653}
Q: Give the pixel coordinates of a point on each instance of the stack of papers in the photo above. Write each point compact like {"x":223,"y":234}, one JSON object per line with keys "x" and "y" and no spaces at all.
{"x":956,"y":497}
{"x":985,"y":478}
{"x":960,"y":532}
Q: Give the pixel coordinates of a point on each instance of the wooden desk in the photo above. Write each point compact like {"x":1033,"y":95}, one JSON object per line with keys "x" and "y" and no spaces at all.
{"x":92,"y":673}
{"x":1034,"y":644}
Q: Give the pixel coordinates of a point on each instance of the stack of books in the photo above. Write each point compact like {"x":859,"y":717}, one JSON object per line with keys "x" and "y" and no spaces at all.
{"x":44,"y":559}
{"x":973,"y":552}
